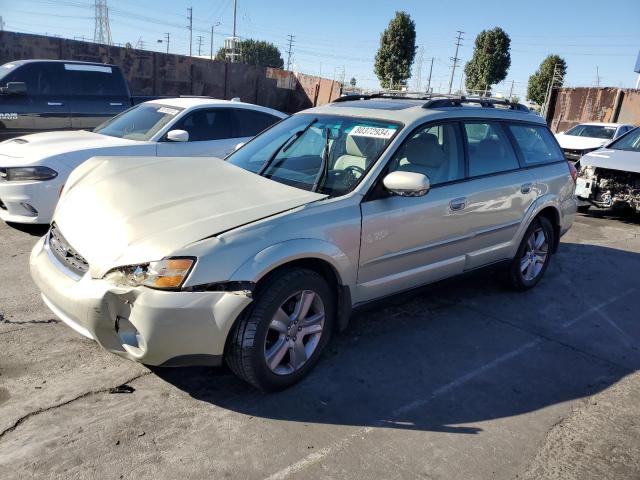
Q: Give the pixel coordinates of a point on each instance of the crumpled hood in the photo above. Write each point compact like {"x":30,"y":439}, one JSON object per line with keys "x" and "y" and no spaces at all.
{"x":32,"y":148}
{"x":574,"y":142}
{"x":612,"y":159}
{"x":122,"y":211}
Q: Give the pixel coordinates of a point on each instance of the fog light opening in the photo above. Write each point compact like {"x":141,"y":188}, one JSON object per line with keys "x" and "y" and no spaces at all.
{"x":131,"y":339}
{"x":32,"y":212}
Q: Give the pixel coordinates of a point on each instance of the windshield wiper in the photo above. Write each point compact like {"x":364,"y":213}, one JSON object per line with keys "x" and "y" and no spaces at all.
{"x":324,"y":165}
{"x":285,"y":146}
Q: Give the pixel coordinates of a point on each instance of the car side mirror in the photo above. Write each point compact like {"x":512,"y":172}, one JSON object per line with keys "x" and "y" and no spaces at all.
{"x":15,"y":88}
{"x":407,"y":184}
{"x":239,"y":145}
{"x":178,"y":136}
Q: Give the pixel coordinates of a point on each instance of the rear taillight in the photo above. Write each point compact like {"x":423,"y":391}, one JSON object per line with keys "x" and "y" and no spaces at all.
{"x":573,"y":172}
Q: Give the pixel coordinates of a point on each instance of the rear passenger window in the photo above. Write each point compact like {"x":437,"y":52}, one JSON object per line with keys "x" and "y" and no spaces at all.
{"x":94,"y":80}
{"x":214,"y":124}
{"x":489,"y":149}
{"x":250,"y":122}
{"x":536,"y":144}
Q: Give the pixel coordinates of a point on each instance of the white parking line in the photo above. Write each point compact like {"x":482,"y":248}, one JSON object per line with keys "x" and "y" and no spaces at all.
{"x":416,"y":404}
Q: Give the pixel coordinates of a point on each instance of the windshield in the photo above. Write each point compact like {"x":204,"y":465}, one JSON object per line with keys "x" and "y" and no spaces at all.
{"x":141,"y":122}
{"x":324,"y":153}
{"x":630,"y":142}
{"x":593,"y":131}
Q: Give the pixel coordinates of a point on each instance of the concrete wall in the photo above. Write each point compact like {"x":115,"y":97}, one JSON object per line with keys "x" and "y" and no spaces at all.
{"x":154,"y":73}
{"x":570,"y":106}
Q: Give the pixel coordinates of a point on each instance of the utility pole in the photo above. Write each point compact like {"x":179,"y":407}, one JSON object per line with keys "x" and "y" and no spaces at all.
{"x":461,"y":79}
{"x":190,"y":27}
{"x":166,"y":40}
{"x":455,"y":58}
{"x":212,"y":27}
{"x":233,"y":44}
{"x":511,"y":91}
{"x":199,"y":40}
{"x":597,"y":77}
{"x":1,"y":24}
{"x":291,"y":37}
{"x":430,"y":71}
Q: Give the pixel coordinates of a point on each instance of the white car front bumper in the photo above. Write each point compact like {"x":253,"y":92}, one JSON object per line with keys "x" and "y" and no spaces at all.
{"x":150,"y":326}
{"x":29,"y":202}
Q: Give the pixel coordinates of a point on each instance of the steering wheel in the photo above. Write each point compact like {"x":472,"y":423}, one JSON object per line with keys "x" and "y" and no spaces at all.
{"x":354,"y":169}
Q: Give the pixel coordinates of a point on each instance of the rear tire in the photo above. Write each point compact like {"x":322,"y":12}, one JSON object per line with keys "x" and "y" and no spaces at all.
{"x":533,"y":255}
{"x":280,"y":337}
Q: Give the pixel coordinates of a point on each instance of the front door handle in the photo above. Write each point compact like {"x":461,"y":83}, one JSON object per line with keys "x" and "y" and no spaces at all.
{"x":525,"y":188}
{"x":458,"y":203}
{"x":55,"y":104}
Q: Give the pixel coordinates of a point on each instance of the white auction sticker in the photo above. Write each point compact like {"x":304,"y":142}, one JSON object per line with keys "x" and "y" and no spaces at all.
{"x":373,"y":132}
{"x":168,"y":111}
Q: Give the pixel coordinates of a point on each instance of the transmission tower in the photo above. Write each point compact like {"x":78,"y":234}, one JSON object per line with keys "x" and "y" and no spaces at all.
{"x":1,"y":24}
{"x":102,"y":32}
{"x":418,"y":69}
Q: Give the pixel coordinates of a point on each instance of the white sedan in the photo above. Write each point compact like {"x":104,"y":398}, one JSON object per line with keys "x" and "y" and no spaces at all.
{"x":586,"y":137}
{"x":34,"y":168}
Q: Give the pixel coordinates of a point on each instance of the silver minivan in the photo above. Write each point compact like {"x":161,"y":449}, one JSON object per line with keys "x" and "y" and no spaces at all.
{"x":258,"y":258}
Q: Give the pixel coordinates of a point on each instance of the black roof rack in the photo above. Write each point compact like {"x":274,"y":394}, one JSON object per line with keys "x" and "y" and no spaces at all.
{"x":438,"y":100}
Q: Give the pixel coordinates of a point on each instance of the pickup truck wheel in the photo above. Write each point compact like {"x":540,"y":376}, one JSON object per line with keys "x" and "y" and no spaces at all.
{"x":533,"y":255}
{"x":280,"y":338}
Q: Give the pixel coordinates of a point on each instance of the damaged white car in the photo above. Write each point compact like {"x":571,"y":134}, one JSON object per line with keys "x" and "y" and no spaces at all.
{"x":610,"y":177}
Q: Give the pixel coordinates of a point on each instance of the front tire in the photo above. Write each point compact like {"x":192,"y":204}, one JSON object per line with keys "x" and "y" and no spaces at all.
{"x":533,"y":255}
{"x":280,"y":338}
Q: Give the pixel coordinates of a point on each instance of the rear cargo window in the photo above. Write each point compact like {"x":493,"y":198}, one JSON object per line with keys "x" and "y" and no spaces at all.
{"x":536,"y":144}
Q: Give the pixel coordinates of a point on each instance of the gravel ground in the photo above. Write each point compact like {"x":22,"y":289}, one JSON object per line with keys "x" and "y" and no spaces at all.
{"x":463,"y":379}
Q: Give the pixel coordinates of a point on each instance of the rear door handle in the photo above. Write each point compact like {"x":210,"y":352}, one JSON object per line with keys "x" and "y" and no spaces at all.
{"x":115,"y":104}
{"x":525,"y":188}
{"x":458,"y":203}
{"x":55,"y":104}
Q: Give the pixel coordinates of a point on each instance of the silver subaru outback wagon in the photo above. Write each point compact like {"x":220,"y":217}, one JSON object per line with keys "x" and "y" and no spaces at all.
{"x":258,"y":258}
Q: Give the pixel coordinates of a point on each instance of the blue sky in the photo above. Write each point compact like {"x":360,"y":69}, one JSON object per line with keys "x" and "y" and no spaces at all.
{"x":332,"y":36}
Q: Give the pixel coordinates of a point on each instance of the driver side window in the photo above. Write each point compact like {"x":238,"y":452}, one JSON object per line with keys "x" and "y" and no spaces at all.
{"x":435,"y":151}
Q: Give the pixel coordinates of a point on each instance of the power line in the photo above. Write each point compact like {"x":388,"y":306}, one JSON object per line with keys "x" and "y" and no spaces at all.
{"x":455,"y":58}
{"x":291,"y":37}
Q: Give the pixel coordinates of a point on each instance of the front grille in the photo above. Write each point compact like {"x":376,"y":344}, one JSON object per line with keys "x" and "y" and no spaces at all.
{"x":65,"y":253}
{"x":573,"y":154}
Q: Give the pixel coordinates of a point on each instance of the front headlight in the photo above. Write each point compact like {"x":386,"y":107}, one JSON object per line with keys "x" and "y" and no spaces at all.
{"x":17,"y":174}
{"x":587,"y":172}
{"x":169,"y":274}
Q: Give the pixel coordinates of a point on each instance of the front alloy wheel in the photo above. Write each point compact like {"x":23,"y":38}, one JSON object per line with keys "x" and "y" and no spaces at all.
{"x":280,"y":337}
{"x":294,"y":332}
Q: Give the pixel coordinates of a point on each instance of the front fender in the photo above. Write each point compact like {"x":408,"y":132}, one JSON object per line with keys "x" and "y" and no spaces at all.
{"x":288,"y":251}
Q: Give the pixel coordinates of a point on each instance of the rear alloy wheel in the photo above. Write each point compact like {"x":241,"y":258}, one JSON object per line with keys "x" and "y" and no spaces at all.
{"x":533,"y":256}
{"x":279,"y":339}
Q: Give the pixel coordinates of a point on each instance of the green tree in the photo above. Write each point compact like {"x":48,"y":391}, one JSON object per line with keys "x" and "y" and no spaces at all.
{"x":256,"y":52}
{"x":540,"y":80}
{"x":490,"y":61}
{"x":397,"y":51}
{"x":353,"y":81}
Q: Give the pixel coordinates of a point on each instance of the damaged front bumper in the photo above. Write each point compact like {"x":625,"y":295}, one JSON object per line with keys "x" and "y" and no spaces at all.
{"x":150,"y":326}
{"x":605,"y":188}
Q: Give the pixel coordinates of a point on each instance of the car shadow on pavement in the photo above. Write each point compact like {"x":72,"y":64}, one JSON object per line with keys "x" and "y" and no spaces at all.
{"x":452,"y":355}
{"x":33,"y":230}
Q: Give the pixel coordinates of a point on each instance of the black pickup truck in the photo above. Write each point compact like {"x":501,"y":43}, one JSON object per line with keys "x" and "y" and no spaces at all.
{"x":44,"y":95}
